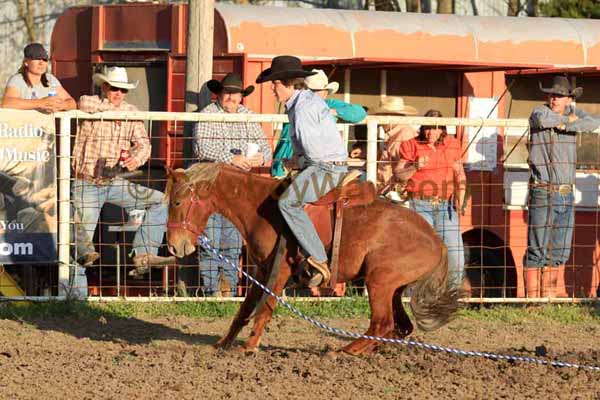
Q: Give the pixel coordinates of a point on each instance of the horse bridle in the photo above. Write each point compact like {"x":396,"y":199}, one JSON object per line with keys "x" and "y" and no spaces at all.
{"x":187,"y":224}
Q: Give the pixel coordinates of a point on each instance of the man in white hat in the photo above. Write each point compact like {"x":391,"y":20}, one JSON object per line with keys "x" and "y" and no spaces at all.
{"x":320,"y":85}
{"x":390,"y":172}
{"x":105,"y":148}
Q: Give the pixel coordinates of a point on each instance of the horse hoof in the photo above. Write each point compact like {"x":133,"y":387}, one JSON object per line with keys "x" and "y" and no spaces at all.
{"x":248,"y":350}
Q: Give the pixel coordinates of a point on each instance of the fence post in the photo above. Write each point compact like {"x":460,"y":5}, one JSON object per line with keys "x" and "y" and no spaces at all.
{"x":64,"y":203}
{"x":372,"y":151}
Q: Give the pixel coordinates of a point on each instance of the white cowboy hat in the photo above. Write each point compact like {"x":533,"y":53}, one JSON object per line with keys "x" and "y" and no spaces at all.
{"x":319,"y":81}
{"x":115,"y":76}
{"x":394,"y":105}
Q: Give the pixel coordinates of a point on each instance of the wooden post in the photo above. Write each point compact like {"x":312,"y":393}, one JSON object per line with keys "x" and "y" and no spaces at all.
{"x":199,"y":63}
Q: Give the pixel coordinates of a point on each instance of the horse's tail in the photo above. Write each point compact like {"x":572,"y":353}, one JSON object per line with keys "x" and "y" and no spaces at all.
{"x":433,"y":302}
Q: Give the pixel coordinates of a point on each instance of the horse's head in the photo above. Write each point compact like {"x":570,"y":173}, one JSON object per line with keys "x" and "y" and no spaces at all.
{"x":189,"y":194}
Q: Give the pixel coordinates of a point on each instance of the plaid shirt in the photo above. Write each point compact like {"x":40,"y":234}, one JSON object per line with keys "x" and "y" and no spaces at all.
{"x":214,"y":141}
{"x":104,"y":139}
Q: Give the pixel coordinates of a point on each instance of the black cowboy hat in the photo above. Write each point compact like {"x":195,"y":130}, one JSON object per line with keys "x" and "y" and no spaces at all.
{"x":562,"y":87}
{"x":283,"y":67}
{"x":231,"y":83}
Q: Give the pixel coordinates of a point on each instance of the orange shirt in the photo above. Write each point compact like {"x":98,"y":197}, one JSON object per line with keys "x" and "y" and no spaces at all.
{"x":436,"y":177}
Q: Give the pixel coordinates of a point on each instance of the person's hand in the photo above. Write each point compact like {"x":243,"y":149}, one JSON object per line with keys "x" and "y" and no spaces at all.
{"x":256,"y":160}
{"x":21,"y":187}
{"x":292,"y":163}
{"x":573,"y":117}
{"x":241,"y":162}
{"x":422,"y":162}
{"x":357,"y":152}
{"x":52,"y":104}
{"x":131,"y":164}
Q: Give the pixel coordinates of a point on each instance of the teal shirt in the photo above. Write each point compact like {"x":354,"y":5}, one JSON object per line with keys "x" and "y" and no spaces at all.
{"x":350,"y":113}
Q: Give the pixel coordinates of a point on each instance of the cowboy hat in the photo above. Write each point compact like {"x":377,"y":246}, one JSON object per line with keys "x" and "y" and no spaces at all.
{"x":394,"y":105}
{"x":116,"y":77}
{"x":562,"y":87}
{"x":283,"y":67}
{"x":231,"y":83}
{"x":319,"y":81}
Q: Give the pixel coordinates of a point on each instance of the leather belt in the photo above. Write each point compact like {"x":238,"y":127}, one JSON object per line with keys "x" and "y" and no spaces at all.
{"x":560,"y":189}
{"x":336,"y":163}
{"x":434,"y":200}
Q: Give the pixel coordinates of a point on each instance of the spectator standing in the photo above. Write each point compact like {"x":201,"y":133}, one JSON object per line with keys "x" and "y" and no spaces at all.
{"x":230,"y":143}
{"x":552,"y":159}
{"x":391,"y":175}
{"x":436,"y":187}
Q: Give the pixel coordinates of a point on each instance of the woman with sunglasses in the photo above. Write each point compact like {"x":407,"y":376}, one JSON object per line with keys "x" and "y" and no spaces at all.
{"x":33,"y":88}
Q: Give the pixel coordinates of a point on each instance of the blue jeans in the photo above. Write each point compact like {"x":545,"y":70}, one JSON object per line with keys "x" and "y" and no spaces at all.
{"x":313,"y":182}
{"x":551,"y":220}
{"x":444,"y":219}
{"x":89,"y":199}
{"x":225,"y":237}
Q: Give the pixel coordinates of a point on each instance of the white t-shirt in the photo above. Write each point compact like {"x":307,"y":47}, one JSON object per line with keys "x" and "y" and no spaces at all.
{"x":38,"y":91}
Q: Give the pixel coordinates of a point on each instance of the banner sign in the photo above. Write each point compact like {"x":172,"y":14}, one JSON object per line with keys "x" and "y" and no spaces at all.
{"x":482,"y":154}
{"x":28,"y":223}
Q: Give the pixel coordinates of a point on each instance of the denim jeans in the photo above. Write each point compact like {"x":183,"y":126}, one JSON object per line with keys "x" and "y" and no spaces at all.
{"x":551,"y":220}
{"x":444,"y":219}
{"x":225,"y":237}
{"x":312,"y":183}
{"x":89,"y":199}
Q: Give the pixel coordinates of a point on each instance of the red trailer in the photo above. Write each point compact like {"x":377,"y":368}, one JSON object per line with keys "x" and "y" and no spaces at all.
{"x":433,"y":61}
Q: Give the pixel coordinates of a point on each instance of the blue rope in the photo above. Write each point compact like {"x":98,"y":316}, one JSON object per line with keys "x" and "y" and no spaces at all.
{"x":341,"y":332}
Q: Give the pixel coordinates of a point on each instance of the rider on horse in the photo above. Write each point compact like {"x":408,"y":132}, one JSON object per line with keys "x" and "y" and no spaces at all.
{"x":319,"y":152}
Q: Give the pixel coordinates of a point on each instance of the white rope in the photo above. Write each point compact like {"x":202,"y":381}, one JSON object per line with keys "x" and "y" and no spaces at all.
{"x":341,"y":332}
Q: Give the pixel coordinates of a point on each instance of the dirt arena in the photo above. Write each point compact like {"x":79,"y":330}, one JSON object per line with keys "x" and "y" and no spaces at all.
{"x":171,"y":358}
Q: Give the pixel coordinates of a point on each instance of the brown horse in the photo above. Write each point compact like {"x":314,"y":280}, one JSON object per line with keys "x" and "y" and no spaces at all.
{"x":390,"y":246}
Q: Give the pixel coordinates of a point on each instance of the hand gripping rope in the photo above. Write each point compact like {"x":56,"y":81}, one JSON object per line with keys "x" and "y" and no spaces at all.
{"x":340,"y":332}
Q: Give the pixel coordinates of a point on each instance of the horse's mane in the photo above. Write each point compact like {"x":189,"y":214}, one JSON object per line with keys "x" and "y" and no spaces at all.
{"x":203,"y":172}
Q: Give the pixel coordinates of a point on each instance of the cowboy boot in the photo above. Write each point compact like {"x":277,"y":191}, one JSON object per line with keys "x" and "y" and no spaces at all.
{"x":561,"y":289}
{"x":143,"y":263}
{"x":532,"y":282}
{"x":322,"y":278}
{"x":548,"y":285}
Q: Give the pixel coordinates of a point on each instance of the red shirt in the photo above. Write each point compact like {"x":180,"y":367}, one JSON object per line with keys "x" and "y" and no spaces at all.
{"x":436,"y":178}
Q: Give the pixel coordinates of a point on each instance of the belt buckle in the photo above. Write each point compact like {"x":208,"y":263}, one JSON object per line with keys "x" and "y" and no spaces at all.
{"x":434,"y":200}
{"x":564,"y":189}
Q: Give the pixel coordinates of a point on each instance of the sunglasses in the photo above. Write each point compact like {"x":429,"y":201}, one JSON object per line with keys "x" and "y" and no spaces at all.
{"x":117,"y":89}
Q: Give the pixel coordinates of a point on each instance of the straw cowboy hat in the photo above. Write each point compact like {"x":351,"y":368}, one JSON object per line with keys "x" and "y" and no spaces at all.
{"x":394,"y":105}
{"x":319,"y":81}
{"x":231,"y":83}
{"x":116,"y":77}
{"x":283,"y":67}
{"x":562,"y":87}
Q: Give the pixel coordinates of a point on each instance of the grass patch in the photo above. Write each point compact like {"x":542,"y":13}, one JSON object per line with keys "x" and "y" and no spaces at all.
{"x":349,"y":307}
{"x":565,"y":314}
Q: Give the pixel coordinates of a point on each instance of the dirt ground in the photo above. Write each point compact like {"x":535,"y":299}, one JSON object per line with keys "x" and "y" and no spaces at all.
{"x":172,"y":358}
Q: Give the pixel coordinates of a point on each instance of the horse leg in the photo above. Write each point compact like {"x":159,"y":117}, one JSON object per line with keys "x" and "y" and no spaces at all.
{"x":264,"y":314}
{"x":402,"y":324}
{"x":382,"y":319}
{"x":243,"y":315}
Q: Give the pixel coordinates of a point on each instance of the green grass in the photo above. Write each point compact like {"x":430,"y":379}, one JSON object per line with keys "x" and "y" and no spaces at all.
{"x":349,"y":307}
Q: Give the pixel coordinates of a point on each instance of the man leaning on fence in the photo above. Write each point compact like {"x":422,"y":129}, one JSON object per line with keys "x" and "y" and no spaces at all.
{"x":552,"y":159}
{"x":98,"y":164}
{"x":241,"y":144}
